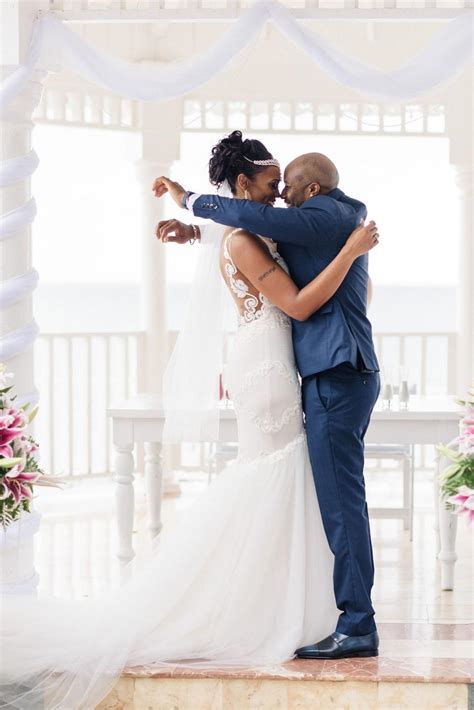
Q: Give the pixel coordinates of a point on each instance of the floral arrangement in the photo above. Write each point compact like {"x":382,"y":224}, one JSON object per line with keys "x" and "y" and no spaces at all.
{"x":457,"y":480}
{"x":19,"y":469}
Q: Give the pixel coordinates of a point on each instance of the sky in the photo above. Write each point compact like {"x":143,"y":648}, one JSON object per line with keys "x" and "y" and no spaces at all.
{"x":89,"y":203}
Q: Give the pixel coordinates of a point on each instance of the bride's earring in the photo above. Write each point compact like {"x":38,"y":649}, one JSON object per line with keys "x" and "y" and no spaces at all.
{"x":247,"y":195}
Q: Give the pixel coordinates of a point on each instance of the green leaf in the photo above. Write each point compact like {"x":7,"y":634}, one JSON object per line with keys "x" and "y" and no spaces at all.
{"x":449,"y":506}
{"x":449,"y":453}
{"x":449,"y":471}
{"x":33,"y":414}
{"x":9,"y":462}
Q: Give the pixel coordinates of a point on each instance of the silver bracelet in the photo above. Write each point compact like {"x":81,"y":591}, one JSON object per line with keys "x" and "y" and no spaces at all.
{"x":195,"y":234}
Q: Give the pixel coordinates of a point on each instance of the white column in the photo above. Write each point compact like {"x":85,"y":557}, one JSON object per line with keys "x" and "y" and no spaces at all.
{"x":153,"y":290}
{"x":463,"y":176}
{"x":17,"y":207}
{"x":17,"y":326}
{"x":459,"y":122}
{"x":160,"y":148}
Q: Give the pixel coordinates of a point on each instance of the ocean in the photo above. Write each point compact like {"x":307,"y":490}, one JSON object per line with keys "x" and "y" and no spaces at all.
{"x":94,"y":307}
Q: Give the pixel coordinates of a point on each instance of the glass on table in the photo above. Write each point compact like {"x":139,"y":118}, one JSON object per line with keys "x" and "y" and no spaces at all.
{"x":386,"y":389}
{"x":403,"y":387}
{"x":387,"y":395}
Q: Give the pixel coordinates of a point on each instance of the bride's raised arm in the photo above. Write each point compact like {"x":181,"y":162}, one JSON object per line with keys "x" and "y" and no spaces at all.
{"x":254,"y":261}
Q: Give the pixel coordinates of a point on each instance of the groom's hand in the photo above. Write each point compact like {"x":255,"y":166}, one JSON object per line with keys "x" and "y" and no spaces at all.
{"x":171,"y":230}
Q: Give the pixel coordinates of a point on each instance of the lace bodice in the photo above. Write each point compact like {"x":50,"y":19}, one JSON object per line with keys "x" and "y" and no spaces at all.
{"x":261,"y":372}
{"x":252,"y":304}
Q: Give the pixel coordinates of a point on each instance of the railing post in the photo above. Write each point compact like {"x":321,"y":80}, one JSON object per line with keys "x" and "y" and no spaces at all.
{"x":452,"y":363}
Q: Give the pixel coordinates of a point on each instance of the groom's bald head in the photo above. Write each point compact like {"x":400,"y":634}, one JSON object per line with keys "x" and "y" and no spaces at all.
{"x":309,"y":175}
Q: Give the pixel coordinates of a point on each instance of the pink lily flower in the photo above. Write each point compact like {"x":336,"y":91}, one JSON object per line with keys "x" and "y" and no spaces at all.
{"x":464,"y":502}
{"x":12,"y":423}
{"x":6,"y":451}
{"x":14,"y":483}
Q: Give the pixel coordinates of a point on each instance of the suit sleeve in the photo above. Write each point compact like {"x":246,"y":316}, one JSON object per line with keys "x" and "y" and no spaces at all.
{"x":291,"y":226}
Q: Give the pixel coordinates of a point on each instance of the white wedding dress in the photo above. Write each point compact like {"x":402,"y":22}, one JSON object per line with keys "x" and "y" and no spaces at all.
{"x":245,"y":579}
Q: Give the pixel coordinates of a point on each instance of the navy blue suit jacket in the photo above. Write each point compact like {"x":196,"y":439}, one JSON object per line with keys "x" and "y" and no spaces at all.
{"x":309,"y":237}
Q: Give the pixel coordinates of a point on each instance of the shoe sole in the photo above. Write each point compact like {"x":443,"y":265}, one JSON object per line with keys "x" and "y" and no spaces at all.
{"x":354,"y":654}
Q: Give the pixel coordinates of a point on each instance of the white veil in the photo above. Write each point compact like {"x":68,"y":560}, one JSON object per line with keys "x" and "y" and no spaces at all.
{"x":48,"y":659}
{"x":191,"y":379}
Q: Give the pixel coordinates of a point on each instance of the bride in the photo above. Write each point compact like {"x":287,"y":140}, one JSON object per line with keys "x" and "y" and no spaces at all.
{"x":246,"y":577}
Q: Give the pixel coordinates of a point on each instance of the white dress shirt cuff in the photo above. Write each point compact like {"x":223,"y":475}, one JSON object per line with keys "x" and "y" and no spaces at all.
{"x":191,"y":200}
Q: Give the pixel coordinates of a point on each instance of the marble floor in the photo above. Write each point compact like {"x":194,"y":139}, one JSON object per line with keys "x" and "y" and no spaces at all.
{"x":426,"y":634}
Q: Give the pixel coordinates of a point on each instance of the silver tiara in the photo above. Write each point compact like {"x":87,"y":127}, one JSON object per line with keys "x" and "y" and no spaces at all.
{"x":269,"y":161}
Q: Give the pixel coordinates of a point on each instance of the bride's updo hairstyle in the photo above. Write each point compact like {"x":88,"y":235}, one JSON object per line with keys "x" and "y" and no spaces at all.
{"x":228,"y":162}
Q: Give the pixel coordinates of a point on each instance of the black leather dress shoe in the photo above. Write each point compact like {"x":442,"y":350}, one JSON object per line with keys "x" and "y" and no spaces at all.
{"x":341,"y":646}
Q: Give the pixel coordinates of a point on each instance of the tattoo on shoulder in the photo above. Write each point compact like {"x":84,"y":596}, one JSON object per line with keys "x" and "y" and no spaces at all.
{"x":267,"y":273}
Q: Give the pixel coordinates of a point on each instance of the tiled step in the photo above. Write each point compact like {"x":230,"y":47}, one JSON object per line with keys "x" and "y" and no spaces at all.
{"x":358,"y":684}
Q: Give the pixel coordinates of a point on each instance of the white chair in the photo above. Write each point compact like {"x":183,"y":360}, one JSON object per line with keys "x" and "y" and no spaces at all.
{"x":405,"y":455}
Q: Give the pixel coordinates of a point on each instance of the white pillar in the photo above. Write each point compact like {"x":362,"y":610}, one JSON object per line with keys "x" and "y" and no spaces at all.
{"x":16,"y":315}
{"x":459,"y":122}
{"x":153,"y":290}
{"x":463,"y":176}
{"x":17,"y":326}
{"x":160,"y":148}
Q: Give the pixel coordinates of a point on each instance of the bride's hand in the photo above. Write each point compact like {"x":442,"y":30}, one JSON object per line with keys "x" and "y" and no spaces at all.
{"x":362,"y":239}
{"x":162,"y":185}
{"x":171,"y":230}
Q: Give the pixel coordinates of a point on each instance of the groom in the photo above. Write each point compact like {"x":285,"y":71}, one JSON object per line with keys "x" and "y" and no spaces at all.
{"x":336,"y":359}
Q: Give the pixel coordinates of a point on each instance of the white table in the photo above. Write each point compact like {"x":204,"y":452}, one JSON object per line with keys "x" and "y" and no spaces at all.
{"x":428,"y":420}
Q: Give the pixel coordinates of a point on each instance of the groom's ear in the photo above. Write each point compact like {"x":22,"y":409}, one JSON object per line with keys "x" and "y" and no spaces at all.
{"x":314,"y":189}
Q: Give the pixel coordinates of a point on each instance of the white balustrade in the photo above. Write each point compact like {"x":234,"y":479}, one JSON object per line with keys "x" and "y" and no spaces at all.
{"x":80,"y":106}
{"x":77,"y":105}
{"x":429,"y":358}
{"x":79,"y":375}
{"x":325,"y":116}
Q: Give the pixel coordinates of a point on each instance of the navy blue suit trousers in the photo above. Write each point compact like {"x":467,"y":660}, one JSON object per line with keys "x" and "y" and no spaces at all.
{"x":337,"y":405}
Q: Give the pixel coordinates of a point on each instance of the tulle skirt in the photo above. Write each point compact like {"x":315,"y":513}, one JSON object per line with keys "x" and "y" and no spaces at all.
{"x":243,"y":580}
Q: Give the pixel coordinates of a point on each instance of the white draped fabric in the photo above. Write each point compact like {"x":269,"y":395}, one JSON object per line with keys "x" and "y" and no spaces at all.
{"x":190,"y":383}
{"x":55,"y":47}
{"x":443,"y":57}
{"x":18,"y":341}
{"x":17,"y":219}
{"x":14,"y":289}
{"x":16,"y":170}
